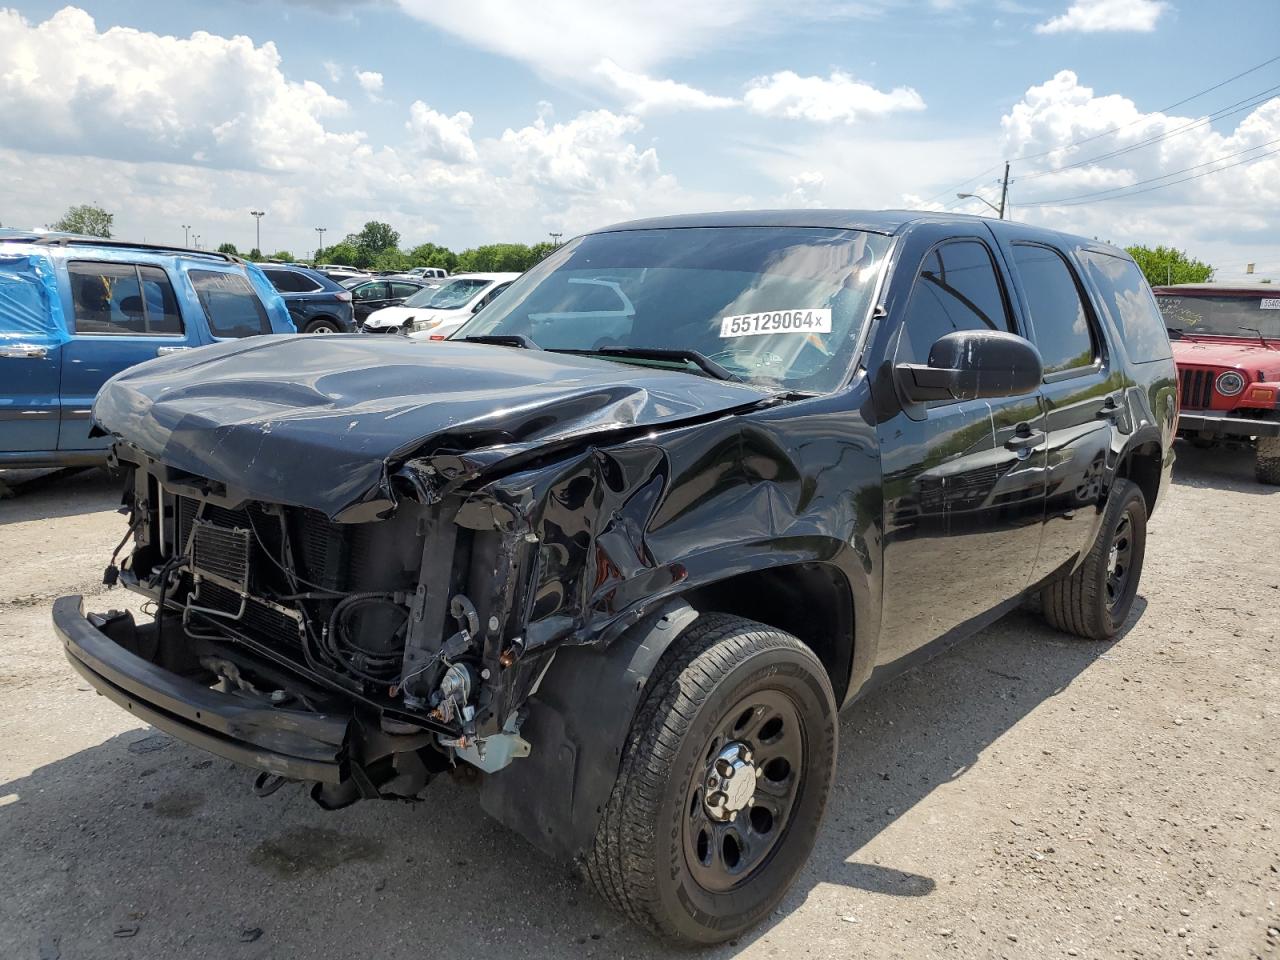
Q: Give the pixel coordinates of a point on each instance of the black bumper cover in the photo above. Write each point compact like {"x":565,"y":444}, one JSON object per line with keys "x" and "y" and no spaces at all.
{"x":1227,"y":426}
{"x":294,"y":744}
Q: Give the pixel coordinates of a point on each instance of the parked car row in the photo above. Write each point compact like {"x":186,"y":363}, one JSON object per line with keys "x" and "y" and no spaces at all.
{"x":75,"y":311}
{"x":435,"y":312}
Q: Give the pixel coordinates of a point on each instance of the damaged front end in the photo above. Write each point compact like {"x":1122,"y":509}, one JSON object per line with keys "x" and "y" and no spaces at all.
{"x":368,"y":636}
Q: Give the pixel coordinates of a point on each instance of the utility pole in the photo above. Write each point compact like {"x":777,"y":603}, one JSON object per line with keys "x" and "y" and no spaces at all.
{"x":555,"y":239}
{"x":1004,"y":189}
{"x":321,"y":231}
{"x":186,"y":239}
{"x":257,"y":228}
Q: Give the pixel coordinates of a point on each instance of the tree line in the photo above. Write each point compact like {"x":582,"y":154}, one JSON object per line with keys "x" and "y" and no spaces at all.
{"x":375,"y":247}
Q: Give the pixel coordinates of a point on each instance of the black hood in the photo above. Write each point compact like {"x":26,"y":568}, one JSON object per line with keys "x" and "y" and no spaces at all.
{"x":321,"y":421}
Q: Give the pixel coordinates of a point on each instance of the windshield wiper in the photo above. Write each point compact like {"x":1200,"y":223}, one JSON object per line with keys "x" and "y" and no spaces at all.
{"x":1174,"y":333}
{"x":697,"y":358}
{"x":1261,"y":338}
{"x":504,"y":340}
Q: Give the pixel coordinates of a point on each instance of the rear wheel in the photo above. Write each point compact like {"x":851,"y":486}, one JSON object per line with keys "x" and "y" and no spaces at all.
{"x":723,"y":783}
{"x":1266,"y":466}
{"x":1095,"y":601}
{"x":323,"y":325}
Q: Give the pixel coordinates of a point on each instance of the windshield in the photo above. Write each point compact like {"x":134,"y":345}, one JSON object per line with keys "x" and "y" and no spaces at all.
{"x":1223,"y":315}
{"x":775,"y":305}
{"x":448,"y":296}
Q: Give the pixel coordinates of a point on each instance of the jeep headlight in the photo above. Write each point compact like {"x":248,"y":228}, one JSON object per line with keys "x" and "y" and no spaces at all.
{"x":1230,"y":383}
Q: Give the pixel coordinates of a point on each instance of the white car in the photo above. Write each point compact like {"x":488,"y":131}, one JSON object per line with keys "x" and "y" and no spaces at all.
{"x":435,"y":312}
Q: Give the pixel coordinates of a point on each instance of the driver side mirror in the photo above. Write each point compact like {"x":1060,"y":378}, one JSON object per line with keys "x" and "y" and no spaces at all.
{"x":971,"y":365}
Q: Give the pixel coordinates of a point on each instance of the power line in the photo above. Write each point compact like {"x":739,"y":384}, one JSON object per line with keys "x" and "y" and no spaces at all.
{"x":1078,"y":202}
{"x":1138,"y":183}
{"x":963,"y":183}
{"x":1172,"y":106}
{"x":1237,"y":107}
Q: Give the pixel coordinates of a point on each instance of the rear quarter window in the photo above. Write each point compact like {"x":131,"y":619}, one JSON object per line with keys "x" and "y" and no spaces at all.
{"x":230,"y":304}
{"x":1128,"y":300}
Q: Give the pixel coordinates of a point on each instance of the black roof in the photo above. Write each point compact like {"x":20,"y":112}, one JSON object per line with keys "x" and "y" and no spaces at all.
{"x":887,"y":222}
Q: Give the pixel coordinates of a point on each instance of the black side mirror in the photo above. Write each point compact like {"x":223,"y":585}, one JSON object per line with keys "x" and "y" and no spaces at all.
{"x":971,"y":364}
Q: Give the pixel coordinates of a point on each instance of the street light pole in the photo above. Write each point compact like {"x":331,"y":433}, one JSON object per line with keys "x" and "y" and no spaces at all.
{"x":186,"y":239}
{"x":1004,"y":195}
{"x":257,"y":228}
{"x":321,"y":231}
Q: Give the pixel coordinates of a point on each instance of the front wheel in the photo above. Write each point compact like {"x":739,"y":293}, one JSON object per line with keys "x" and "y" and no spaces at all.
{"x":1266,"y":466}
{"x":1095,"y":600}
{"x":723,"y":783}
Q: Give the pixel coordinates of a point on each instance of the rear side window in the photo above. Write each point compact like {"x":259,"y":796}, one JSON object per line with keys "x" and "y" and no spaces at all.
{"x":1058,"y":314}
{"x":404,"y":289}
{"x":123,"y":299}
{"x":957,"y":289}
{"x":230,"y":304}
{"x":1128,"y":299}
{"x":287,"y":281}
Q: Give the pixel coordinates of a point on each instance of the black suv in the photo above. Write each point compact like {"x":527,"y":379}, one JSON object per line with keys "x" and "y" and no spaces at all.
{"x":632,"y":537}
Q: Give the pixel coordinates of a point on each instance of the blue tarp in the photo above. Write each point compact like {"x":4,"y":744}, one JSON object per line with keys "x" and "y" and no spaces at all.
{"x":30,"y":308}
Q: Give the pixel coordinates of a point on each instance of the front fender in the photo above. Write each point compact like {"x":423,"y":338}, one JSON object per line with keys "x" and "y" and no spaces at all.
{"x":577,"y":725}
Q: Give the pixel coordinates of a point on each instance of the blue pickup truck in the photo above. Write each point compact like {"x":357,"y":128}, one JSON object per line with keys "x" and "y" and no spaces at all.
{"x":75,"y":311}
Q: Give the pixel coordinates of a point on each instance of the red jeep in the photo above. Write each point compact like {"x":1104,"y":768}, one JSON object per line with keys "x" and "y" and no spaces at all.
{"x":1226,"y":342}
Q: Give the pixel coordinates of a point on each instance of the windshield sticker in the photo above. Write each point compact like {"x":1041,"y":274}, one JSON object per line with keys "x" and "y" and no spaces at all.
{"x":1267,"y":303}
{"x":777,"y":321}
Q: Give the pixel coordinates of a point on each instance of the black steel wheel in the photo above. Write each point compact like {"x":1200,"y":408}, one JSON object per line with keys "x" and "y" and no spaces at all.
{"x":723,"y":784}
{"x":1095,"y":600}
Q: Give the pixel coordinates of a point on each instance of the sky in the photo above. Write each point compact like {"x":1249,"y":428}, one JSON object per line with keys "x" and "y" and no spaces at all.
{"x":483,"y":121}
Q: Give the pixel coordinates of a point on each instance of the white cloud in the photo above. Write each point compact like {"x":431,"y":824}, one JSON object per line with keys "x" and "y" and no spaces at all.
{"x":836,"y":99}
{"x":1212,"y":216}
{"x":370,"y":82}
{"x":1093,"y":16}
{"x":333,"y":70}
{"x":131,"y":95}
{"x":644,"y":94}
{"x":435,"y":135}
{"x":806,"y":190}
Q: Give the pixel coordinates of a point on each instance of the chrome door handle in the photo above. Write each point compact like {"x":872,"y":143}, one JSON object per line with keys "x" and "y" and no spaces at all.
{"x":26,"y":351}
{"x":163,"y":351}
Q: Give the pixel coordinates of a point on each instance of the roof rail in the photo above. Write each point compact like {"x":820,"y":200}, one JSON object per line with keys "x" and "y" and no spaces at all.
{"x":67,"y":241}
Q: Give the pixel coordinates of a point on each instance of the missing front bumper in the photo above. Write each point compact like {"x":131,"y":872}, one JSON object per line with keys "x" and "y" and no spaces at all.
{"x":295,"y":744}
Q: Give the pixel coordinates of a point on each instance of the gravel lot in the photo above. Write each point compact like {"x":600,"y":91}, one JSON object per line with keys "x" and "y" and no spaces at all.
{"x":1024,"y":795}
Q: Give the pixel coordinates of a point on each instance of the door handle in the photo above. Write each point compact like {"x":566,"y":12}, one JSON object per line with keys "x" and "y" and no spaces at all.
{"x":163,"y":351}
{"x":1110,"y":409}
{"x":24,"y":351}
{"x":1024,"y":438}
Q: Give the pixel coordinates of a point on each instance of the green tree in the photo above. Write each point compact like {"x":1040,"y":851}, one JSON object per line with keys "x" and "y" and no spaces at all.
{"x":345,"y":254}
{"x":498,"y":257}
{"x":391,"y":259}
{"x":433,"y":255}
{"x":255,"y":255}
{"x":284,"y":255}
{"x":87,"y":219}
{"x":228,"y":248}
{"x":374,"y":238}
{"x":1165,"y":265}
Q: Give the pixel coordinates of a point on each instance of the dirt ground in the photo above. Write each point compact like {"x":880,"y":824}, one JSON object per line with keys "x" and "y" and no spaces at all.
{"x":1023,"y":796}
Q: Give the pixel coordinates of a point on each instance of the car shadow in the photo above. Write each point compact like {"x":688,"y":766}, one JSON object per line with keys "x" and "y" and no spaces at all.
{"x":145,"y":838}
{"x":1220,"y":467}
{"x":45,"y":494}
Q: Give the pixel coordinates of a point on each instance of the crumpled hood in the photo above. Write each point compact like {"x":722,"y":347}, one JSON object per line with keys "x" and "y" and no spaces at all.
{"x":321,"y":421}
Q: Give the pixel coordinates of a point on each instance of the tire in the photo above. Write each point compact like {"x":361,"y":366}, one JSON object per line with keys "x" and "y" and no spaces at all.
{"x":660,"y":856}
{"x":1266,"y":464}
{"x":1091,"y":603}
{"x":322,"y":325}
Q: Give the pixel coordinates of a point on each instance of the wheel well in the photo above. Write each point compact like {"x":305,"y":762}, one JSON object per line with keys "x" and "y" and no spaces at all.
{"x":1142,"y":467}
{"x":812,"y":601}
